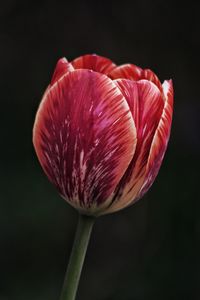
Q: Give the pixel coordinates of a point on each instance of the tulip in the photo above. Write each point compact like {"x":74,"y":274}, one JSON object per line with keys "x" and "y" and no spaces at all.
{"x":101,"y":132}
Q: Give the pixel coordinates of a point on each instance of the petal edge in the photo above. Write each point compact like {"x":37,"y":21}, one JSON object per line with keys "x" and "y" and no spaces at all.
{"x":62,"y":68}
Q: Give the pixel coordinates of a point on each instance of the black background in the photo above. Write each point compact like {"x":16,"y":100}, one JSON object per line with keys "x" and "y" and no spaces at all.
{"x":148,"y":251}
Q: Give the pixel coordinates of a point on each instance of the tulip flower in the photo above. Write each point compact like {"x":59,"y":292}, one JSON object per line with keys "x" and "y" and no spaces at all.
{"x":100,"y":134}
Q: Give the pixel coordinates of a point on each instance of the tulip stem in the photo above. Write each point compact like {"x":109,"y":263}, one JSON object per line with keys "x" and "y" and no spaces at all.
{"x":77,"y":257}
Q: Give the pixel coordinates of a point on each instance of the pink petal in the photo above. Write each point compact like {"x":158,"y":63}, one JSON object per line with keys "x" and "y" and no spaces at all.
{"x":127,"y":71}
{"x":160,"y":140}
{"x":94,"y":62}
{"x":62,"y":68}
{"x":146,"y":103}
{"x":85,"y":138}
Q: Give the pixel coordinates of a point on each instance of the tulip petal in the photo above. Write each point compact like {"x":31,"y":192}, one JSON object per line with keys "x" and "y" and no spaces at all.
{"x":85,"y":138}
{"x":132,"y":72}
{"x":62,"y":68}
{"x":127,"y":71}
{"x":160,"y":140}
{"x":94,"y":62}
{"x":151,"y":76}
{"x":146,"y":98}
{"x":129,"y":90}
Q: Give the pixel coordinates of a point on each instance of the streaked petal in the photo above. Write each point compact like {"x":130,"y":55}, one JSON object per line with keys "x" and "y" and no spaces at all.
{"x":85,"y":138}
{"x":160,"y":140}
{"x":133,"y":72}
{"x":127,"y":71}
{"x":62,"y":68}
{"x":150,"y":106}
{"x":129,"y":90}
{"x":151,"y":76}
{"x":94,"y":62}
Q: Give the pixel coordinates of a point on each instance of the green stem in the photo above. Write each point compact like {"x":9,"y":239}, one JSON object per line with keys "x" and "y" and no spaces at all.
{"x":77,"y":257}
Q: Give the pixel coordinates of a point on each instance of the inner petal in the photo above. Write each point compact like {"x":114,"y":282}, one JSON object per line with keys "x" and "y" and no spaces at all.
{"x":127,"y":71}
{"x":133,"y":72}
{"x":62,"y":68}
{"x":94,"y":62}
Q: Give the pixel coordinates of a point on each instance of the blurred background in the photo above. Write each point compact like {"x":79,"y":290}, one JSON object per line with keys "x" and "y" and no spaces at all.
{"x":149,"y":251}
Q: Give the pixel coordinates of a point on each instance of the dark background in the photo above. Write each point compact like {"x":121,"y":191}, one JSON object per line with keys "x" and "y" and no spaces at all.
{"x":149,"y":251}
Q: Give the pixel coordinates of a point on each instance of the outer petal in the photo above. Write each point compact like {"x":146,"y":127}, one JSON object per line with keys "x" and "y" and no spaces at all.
{"x":146,"y":98}
{"x":127,"y":71}
{"x":85,"y":138}
{"x":160,"y":140}
{"x":94,"y":62}
{"x":62,"y":68}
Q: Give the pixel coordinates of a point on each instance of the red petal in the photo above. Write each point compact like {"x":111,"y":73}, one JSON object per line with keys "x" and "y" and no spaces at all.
{"x":85,"y":138}
{"x":147,"y":100}
{"x":62,"y":68}
{"x":127,"y":71}
{"x":151,"y":76}
{"x":132,"y":72}
{"x":94,"y":62}
{"x":160,"y":140}
{"x":129,"y":90}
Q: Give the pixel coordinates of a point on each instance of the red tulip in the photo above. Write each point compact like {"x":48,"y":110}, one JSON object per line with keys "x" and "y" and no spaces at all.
{"x":101,"y":132}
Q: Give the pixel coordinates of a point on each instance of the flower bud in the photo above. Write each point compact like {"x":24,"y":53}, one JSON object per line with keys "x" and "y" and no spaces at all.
{"x":101,"y":132}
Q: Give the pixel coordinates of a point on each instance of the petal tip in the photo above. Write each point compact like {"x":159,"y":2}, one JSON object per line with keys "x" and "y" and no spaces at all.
{"x":62,"y":67}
